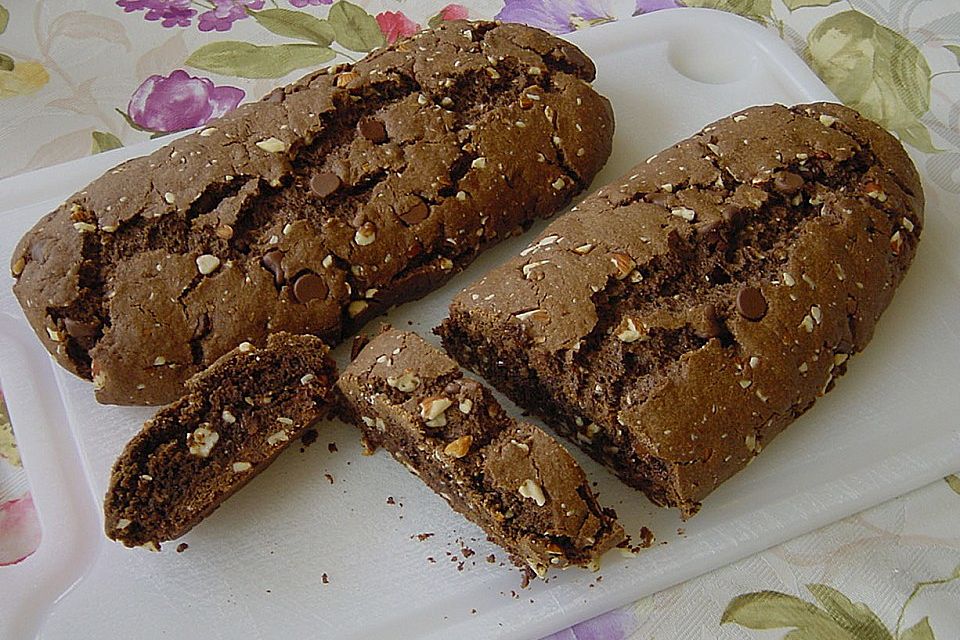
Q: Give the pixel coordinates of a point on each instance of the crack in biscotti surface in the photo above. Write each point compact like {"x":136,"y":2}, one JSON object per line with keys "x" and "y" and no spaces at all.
{"x":705,"y":264}
{"x":735,"y":258}
{"x":174,"y":232}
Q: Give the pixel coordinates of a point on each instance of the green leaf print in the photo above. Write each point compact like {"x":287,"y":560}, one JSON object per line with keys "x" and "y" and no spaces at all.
{"x":759,"y":10}
{"x":856,"y":618}
{"x":954,"y":49}
{"x":356,"y":29}
{"x":4,"y":18}
{"x":246,"y":60}
{"x":296,"y":24}
{"x":774,"y":610}
{"x":874,"y":70}
{"x":954,"y":483}
{"x":799,"y":4}
{"x":104,"y":141}
{"x":919,"y":631}
{"x":839,"y":619}
{"x":8,"y":444}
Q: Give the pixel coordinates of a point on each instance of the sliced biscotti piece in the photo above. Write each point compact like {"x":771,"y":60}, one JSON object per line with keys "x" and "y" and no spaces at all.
{"x":510,"y":478}
{"x":679,"y":318}
{"x":237,"y":416}
{"x":354,"y":189}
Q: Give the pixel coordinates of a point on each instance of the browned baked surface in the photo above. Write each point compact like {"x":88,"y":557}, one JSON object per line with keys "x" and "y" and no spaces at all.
{"x":237,"y":416}
{"x":349,"y":191}
{"x":510,"y":478}
{"x":681,"y":317}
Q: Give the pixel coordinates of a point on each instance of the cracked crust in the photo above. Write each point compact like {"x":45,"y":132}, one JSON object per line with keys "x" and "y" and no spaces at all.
{"x":354,"y":189}
{"x":238,"y":415}
{"x":682,"y":316}
{"x":510,"y":478}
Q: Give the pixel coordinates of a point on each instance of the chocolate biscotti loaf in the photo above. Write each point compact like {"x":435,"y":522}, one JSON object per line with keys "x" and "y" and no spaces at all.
{"x":237,"y":416}
{"x":510,"y":478}
{"x":681,"y":317}
{"x":351,"y":190}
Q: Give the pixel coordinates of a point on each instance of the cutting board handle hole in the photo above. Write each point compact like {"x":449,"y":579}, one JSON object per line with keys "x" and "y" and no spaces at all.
{"x":709,"y":57}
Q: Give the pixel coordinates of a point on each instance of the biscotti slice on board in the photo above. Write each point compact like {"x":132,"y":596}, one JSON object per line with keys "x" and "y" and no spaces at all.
{"x":336,"y":197}
{"x":510,"y":478}
{"x":237,"y":416}
{"x":681,"y":317}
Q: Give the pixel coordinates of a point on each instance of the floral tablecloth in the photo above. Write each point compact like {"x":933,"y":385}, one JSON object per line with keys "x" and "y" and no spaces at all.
{"x":83,"y":76}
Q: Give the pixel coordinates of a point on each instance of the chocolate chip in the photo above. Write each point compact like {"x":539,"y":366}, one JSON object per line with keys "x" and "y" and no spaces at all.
{"x":359,"y":342}
{"x":79,"y":330}
{"x":373,"y":130}
{"x":659,"y":199}
{"x":415,"y":214}
{"x":852,"y":306}
{"x":308,"y":287}
{"x":732,"y":215}
{"x":452,"y":388}
{"x":272,"y":261}
{"x":707,"y":229}
{"x":712,"y":327}
{"x":323,"y":184}
{"x":787,"y":182}
{"x":751,"y":304}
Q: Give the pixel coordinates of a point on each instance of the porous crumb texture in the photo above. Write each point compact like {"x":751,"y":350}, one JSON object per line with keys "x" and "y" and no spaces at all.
{"x":356,"y":188}
{"x":236,"y":417}
{"x":510,"y":478}
{"x":681,"y":317}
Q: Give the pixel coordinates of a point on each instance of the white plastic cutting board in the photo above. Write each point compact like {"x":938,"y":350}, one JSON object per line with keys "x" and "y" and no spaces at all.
{"x":255,"y":569}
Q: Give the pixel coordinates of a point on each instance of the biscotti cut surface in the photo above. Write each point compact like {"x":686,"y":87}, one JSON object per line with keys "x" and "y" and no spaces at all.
{"x":510,"y":478}
{"x":351,"y":190}
{"x":237,"y":416}
{"x":681,"y":317}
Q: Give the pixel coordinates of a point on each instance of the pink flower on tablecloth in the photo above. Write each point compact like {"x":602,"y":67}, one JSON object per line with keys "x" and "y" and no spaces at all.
{"x":648,"y":6}
{"x":453,"y":12}
{"x":613,"y":625}
{"x":225,"y":13}
{"x":180,"y":101}
{"x":19,"y":530}
{"x":171,"y":13}
{"x":299,"y":4}
{"x":556,"y":16}
{"x":393,"y":25}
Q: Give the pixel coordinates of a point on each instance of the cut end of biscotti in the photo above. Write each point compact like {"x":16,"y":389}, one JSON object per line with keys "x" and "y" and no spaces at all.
{"x":237,"y":416}
{"x":681,"y":317}
{"x":510,"y":478}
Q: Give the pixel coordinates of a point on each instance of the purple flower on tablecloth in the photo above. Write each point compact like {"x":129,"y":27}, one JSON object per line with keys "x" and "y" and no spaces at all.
{"x":299,"y":4}
{"x":171,"y":13}
{"x":556,"y":16}
{"x":180,"y":101}
{"x":129,"y":6}
{"x":19,"y":530}
{"x":647,"y":6}
{"x":613,"y":625}
{"x":225,"y":13}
